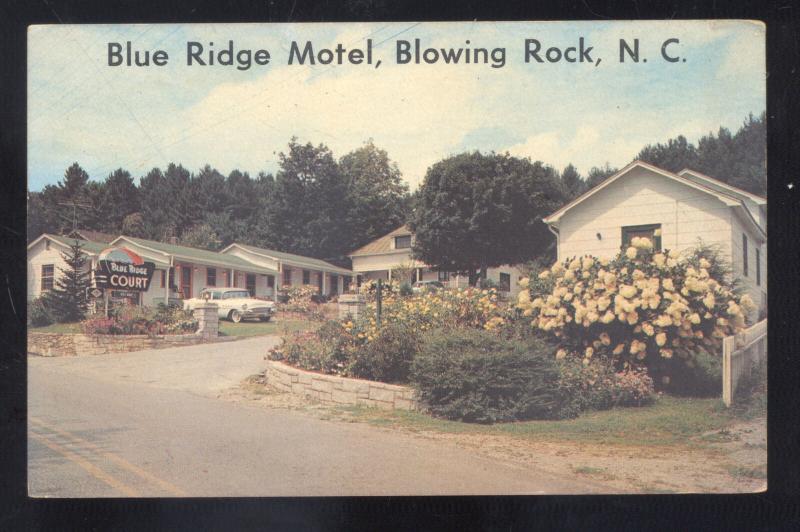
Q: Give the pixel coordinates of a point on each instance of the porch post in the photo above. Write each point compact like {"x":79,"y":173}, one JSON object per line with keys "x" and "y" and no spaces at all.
{"x":324,"y":284}
{"x":166,"y":286}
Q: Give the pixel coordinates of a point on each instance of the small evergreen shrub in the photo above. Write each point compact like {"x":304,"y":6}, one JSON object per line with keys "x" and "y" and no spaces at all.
{"x":478,"y":376}
{"x":39,"y":314}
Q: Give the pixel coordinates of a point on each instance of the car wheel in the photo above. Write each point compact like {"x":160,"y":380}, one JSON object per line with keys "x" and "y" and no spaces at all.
{"x":235,"y":316}
{"x":265,"y":318}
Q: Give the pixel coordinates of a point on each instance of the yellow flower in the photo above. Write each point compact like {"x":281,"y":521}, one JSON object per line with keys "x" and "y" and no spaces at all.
{"x":659,"y":259}
{"x":666,"y":353}
{"x":543,"y":275}
{"x":709,"y":300}
{"x":667,"y":284}
{"x":661,"y":339}
{"x":695,"y":318}
{"x":704,"y":263}
{"x":574,"y":264}
{"x":608,"y":317}
{"x":561,"y":353}
{"x":648,"y":329}
{"x":589,"y":352}
{"x":627,"y":291}
{"x":524,"y":282}
{"x":587,"y":262}
{"x":674,"y":254}
{"x":619,"y":349}
{"x":630,"y":252}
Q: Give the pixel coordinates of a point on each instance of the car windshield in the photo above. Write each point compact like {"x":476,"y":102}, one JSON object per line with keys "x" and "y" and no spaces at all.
{"x":236,"y":294}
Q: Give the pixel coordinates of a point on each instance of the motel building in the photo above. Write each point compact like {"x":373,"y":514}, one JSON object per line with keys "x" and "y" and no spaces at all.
{"x":181,"y":272}
{"x":384,"y":256}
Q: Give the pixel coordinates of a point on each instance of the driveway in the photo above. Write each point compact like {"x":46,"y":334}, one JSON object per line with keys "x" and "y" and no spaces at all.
{"x":149,"y":423}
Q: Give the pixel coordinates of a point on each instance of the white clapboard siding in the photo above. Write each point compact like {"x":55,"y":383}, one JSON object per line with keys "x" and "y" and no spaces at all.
{"x":644,"y":197}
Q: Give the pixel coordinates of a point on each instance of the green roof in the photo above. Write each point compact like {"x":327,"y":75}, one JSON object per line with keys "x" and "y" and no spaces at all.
{"x":88,"y":246}
{"x":297,"y":259}
{"x":202,"y":255}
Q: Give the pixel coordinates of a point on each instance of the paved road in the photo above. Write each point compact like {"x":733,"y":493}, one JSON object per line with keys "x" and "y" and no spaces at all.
{"x":150,"y":424}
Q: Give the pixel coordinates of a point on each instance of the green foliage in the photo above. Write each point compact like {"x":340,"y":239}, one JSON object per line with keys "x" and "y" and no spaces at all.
{"x":39,"y":314}
{"x":67,"y":301}
{"x":476,"y":211}
{"x":477,"y":376}
{"x":406,"y":290}
{"x":376,"y":194}
{"x":201,"y":236}
{"x":738,"y":159}
{"x":388,"y":357}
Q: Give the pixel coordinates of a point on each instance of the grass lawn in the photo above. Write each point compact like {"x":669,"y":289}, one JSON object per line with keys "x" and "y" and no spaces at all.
{"x":62,"y":328}
{"x":258,"y":328}
{"x":670,"y":421}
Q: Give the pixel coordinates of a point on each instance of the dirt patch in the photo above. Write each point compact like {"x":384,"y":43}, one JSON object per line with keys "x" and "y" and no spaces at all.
{"x":732,"y":460}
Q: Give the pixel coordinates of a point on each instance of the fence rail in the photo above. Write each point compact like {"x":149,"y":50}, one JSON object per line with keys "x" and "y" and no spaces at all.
{"x":739,"y":354}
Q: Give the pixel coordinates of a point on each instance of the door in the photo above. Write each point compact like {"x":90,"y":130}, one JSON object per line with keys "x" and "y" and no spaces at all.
{"x":334,"y":288}
{"x":186,"y":282}
{"x":250,"y":283}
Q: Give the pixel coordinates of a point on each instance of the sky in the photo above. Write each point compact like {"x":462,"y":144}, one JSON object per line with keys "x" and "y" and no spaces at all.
{"x":104,"y":117}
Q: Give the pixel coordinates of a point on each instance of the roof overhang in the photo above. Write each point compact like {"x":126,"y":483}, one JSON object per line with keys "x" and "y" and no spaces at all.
{"x":306,"y":265}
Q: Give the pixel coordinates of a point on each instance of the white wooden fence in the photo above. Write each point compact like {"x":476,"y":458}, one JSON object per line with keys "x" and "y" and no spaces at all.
{"x":739,"y":354}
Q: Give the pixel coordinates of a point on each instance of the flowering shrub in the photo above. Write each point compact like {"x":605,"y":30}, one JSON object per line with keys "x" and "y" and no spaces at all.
{"x":640,"y":308}
{"x":362,"y":348}
{"x":300,"y":298}
{"x":133,"y":319}
{"x":597,"y":386}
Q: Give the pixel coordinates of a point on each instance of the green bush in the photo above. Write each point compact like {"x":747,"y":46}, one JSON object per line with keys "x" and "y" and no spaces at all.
{"x":478,"y":376}
{"x":388,"y":357}
{"x":598,"y":386}
{"x":405,"y":290}
{"x":700,"y":377}
{"x":39,"y":314}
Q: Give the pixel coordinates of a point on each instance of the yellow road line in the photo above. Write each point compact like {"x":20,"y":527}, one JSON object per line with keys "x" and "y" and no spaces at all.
{"x":90,"y":468}
{"x":119,"y":461}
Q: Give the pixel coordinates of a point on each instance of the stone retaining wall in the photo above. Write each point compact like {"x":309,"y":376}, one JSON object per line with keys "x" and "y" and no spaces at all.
{"x":331,"y":389}
{"x":57,"y":344}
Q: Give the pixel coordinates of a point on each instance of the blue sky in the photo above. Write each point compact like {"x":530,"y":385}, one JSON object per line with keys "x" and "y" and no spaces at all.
{"x":80,"y":109}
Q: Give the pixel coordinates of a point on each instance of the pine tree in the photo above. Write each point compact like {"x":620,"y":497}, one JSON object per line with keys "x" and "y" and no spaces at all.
{"x":67,"y":300}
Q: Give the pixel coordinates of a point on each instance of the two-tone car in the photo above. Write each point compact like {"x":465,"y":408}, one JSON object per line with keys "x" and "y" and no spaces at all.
{"x":234,"y":304}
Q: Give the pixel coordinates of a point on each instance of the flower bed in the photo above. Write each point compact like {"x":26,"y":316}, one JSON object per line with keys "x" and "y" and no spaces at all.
{"x":132,"y":320}
{"x":644,"y":308}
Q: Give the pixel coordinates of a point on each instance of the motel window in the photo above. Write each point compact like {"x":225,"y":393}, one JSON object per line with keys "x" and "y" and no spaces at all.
{"x":505,"y":282}
{"x":306,"y":277}
{"x":287,"y":277}
{"x":48,"y":273}
{"x":745,"y":269}
{"x":758,"y":267}
{"x":211,"y":277}
{"x":651,"y":231}
{"x":444,"y":276}
{"x":270,"y":281}
{"x":402,"y":242}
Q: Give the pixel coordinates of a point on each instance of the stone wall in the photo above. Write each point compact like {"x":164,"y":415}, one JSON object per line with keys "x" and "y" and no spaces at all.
{"x":331,"y":389}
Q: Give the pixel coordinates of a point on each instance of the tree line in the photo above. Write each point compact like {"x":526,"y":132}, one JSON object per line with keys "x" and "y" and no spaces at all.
{"x":473,"y":210}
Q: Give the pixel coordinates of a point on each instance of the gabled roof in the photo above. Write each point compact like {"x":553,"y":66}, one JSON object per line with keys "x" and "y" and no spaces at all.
{"x":383,"y":245}
{"x":722,"y":186}
{"x":725,"y":196}
{"x":730,"y":196}
{"x":96,"y":236}
{"x":291,"y":258}
{"x":202,"y":256}
{"x":90,"y":248}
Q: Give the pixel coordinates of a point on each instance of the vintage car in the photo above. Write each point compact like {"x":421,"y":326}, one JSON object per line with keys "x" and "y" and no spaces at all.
{"x":234,"y":304}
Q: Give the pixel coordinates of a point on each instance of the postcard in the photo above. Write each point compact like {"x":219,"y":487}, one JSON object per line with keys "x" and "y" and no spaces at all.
{"x":397,"y":258}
